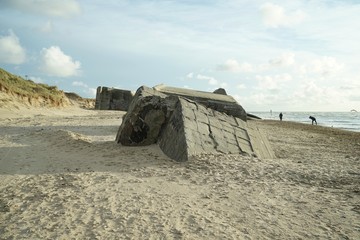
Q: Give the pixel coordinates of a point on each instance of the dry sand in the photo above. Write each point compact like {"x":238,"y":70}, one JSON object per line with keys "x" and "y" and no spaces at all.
{"x":62,"y":176}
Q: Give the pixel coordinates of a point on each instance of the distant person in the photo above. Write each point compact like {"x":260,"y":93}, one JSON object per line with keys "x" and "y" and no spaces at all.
{"x":280,"y":116}
{"x":313,"y":119}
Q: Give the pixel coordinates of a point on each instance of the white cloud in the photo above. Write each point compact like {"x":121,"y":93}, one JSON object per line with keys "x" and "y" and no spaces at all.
{"x":272,"y":83}
{"x":211,"y":80}
{"x":263,"y":99}
{"x":48,"y":27}
{"x":241,"y":86}
{"x":79,"y":84}
{"x":275,"y":16}
{"x":190,"y":75}
{"x":86,"y":89}
{"x":57,"y":63}
{"x":223,"y":85}
{"x":326,"y":98}
{"x":92,"y":91}
{"x":57,"y":8}
{"x":324,"y":66}
{"x":286,"y":59}
{"x":10,"y":49}
{"x":231,"y":65}
{"x":267,"y":83}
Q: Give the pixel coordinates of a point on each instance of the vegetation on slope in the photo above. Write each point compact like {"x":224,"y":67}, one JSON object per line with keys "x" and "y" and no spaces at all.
{"x":17,"y":85}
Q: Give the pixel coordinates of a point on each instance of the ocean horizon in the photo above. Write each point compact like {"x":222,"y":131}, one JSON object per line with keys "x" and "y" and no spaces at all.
{"x":343,"y":120}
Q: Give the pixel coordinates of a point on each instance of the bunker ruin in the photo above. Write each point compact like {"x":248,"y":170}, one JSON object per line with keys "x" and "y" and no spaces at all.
{"x":184,"y":127}
{"x":113,"y":99}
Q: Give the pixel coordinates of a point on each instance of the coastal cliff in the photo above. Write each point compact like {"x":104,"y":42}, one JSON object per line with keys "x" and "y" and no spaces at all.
{"x":16,"y":92}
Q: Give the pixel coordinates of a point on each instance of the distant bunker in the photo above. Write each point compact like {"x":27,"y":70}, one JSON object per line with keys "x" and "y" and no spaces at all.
{"x":184,"y":127}
{"x":113,"y":99}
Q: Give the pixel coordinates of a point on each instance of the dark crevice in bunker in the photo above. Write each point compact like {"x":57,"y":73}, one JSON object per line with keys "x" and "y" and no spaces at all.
{"x":212,"y":137}
{"x":140,"y":133}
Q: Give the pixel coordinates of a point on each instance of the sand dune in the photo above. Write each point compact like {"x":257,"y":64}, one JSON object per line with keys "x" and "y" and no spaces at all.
{"x":62,"y":176}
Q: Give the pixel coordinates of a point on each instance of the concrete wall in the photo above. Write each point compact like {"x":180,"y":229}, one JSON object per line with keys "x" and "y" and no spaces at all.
{"x":112,"y":99}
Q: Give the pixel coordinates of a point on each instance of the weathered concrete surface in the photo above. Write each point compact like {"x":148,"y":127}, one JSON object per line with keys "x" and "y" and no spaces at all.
{"x":112,"y":99}
{"x":194,"y":129}
{"x":219,"y":102}
{"x":147,"y":113}
{"x":184,"y":128}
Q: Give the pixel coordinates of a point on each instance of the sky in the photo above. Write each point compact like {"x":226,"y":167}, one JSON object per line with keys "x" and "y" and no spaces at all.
{"x":296,"y":55}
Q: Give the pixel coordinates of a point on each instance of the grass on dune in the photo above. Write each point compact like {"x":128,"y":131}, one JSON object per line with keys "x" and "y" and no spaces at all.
{"x":28,"y":88}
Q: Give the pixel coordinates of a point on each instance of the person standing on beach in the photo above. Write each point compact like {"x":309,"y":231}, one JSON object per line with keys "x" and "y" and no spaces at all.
{"x":313,"y":119}
{"x":280,"y":116}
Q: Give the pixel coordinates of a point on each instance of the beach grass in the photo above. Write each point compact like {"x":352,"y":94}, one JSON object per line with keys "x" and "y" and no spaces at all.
{"x":17,"y":85}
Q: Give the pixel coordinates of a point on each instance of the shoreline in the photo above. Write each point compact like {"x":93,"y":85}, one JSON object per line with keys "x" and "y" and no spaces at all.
{"x":319,"y":127}
{"x":349,"y":121}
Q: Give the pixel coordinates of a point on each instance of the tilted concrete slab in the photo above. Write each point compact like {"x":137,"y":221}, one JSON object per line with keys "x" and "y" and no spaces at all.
{"x":219,"y":102}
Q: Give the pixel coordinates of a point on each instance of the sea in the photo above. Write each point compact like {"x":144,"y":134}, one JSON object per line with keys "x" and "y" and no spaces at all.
{"x":344,"y":120}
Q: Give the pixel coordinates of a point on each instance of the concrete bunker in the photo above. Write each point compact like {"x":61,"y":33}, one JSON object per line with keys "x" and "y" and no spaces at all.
{"x":183,"y":127}
{"x":113,"y":99}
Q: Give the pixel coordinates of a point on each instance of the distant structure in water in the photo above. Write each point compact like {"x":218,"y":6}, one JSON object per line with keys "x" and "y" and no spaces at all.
{"x":353,"y":110}
{"x":113,"y":99}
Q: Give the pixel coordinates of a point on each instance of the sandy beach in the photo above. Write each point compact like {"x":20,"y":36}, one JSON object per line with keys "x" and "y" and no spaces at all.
{"x":62,"y":176}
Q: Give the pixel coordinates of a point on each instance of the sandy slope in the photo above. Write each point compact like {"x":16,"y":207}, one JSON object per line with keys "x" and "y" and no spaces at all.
{"x":62,"y":176}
